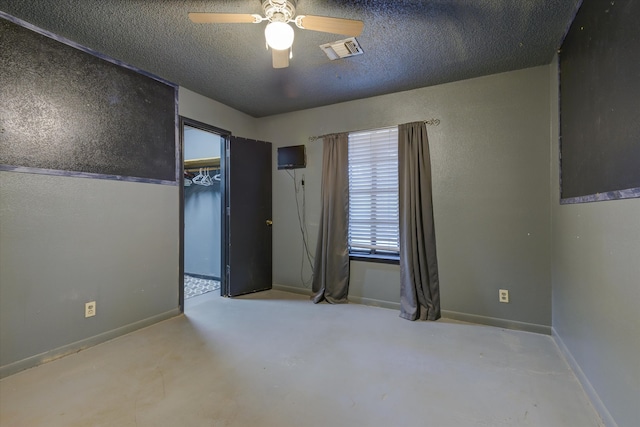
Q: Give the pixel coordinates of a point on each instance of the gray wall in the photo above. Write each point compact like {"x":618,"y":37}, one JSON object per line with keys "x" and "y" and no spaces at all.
{"x":66,"y":241}
{"x":205,"y":110}
{"x":596,"y":293}
{"x":199,"y":144}
{"x":202,"y":232}
{"x":490,"y":158}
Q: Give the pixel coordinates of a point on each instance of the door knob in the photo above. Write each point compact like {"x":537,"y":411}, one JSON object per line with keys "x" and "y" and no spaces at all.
{"x":269,"y":222}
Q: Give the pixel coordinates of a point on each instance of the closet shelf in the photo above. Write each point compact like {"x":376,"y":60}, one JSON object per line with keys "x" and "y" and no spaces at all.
{"x":205,"y":162}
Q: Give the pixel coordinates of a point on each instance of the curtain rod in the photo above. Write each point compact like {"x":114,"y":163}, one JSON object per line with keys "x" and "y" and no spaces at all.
{"x":431,"y":122}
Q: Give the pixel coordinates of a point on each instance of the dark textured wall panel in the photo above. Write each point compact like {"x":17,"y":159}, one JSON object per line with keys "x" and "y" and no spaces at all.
{"x":64,"y":109}
{"x":599,"y":102}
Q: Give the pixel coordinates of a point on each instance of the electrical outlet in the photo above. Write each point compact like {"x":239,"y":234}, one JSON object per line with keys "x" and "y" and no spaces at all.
{"x":90,"y":309}
{"x":503,"y":295}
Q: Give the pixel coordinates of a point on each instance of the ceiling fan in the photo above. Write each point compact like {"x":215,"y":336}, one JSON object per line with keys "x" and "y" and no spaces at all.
{"x":278,"y":32}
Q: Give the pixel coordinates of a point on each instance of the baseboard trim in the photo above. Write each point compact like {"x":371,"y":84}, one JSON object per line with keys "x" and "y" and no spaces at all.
{"x":501,"y":323}
{"x":293,"y":289}
{"x":48,"y":356}
{"x":591,"y":393}
{"x":471,"y":318}
{"x":352,"y":298}
{"x":374,"y":302}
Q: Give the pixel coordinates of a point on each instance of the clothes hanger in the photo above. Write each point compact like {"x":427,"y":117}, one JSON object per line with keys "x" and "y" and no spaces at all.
{"x":198,"y":178}
{"x":206,"y":181}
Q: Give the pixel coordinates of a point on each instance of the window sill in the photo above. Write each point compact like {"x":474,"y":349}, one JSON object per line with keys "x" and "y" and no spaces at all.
{"x":382,"y":259}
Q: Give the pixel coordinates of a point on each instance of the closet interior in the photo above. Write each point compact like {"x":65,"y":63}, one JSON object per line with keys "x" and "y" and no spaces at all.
{"x":202,"y":212}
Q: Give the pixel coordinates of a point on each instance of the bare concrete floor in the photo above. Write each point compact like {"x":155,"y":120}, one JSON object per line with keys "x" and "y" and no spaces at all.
{"x":275,"y":359}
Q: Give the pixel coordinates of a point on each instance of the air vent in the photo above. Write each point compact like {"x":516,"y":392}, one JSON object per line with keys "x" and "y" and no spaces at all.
{"x":342,"y":48}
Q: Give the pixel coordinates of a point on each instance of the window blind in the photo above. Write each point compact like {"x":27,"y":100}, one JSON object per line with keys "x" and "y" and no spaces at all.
{"x":373,"y":191}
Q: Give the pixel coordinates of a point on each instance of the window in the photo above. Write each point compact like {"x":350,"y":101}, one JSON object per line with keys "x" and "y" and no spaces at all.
{"x":373,"y":193}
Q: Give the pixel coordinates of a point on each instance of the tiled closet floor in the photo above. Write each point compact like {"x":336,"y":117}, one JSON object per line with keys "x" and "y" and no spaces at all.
{"x":194,"y":286}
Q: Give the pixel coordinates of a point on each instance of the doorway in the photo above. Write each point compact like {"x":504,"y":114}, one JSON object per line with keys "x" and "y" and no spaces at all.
{"x":202,"y":209}
{"x":225,"y":235}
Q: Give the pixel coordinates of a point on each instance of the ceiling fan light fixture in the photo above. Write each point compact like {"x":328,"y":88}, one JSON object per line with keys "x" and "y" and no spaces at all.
{"x":279,"y":35}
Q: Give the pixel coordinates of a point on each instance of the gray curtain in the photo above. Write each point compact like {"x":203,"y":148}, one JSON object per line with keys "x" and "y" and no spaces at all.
{"x":331,"y":266}
{"x":419,"y":283}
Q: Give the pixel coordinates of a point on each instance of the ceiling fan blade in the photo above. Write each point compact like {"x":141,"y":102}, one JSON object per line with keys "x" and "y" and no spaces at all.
{"x":222,"y":18}
{"x":348,"y":27}
{"x":280,"y":58}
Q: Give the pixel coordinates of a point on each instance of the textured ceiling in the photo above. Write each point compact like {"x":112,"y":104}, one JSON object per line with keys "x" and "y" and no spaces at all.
{"x":407,"y":44}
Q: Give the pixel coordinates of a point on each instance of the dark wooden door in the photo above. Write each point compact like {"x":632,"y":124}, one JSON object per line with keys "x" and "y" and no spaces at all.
{"x":248,"y":189}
